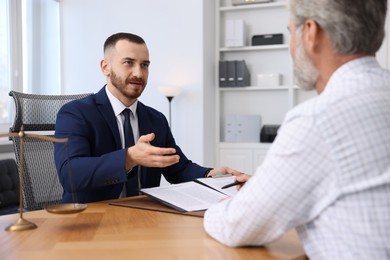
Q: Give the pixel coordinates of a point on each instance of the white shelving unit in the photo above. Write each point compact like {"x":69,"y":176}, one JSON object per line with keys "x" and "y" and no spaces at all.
{"x":255,"y":48}
{"x":272,"y":103}
{"x":226,"y":6}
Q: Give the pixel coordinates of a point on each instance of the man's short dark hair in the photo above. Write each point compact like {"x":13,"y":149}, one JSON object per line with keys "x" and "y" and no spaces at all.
{"x":113,"y":39}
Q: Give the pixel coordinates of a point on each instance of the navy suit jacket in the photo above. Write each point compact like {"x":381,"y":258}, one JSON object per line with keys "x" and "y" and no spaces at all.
{"x":91,"y":165}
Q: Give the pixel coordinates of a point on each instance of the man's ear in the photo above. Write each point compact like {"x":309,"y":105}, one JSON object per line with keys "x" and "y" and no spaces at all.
{"x":105,"y":67}
{"x":311,"y":34}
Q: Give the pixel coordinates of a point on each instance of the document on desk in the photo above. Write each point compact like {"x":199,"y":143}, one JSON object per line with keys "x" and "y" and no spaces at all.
{"x":195,"y":195}
{"x":218,"y":183}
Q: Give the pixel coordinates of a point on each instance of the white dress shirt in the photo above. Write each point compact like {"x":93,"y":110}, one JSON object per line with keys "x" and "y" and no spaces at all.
{"x":327,"y":174}
{"x":118,"y":107}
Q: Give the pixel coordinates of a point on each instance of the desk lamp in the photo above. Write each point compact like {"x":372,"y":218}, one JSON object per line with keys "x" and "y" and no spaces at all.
{"x":170,"y":92}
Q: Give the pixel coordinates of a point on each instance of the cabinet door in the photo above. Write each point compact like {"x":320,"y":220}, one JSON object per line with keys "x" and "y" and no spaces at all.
{"x":238,"y":159}
{"x":258,"y":157}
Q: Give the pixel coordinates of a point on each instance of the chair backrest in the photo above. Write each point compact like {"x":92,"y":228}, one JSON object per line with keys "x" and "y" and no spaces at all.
{"x":38,"y":113}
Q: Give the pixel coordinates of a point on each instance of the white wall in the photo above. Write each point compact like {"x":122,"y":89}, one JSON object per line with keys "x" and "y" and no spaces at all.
{"x":41,"y":46}
{"x":174,"y":32}
{"x":209,"y":70}
{"x":383,"y":55}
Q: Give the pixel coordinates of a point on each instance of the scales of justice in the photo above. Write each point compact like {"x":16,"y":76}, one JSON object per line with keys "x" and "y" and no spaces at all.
{"x":66,"y":208}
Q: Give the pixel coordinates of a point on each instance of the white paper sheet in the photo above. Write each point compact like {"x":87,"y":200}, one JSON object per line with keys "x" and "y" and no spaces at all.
{"x":188,"y":196}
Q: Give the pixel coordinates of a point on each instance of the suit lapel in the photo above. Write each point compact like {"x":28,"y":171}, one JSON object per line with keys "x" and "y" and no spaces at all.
{"x":144,"y":128}
{"x":143,"y":120}
{"x":105,"y":109}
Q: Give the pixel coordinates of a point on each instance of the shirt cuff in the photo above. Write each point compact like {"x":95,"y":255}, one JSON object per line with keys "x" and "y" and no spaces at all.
{"x":207,"y":173}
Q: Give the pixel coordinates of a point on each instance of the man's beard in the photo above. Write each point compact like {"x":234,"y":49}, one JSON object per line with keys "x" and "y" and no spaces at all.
{"x":122,"y":85}
{"x":305,"y":73}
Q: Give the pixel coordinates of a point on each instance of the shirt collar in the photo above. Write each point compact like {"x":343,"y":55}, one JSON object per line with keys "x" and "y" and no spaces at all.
{"x":353,"y":66}
{"x":118,"y":106}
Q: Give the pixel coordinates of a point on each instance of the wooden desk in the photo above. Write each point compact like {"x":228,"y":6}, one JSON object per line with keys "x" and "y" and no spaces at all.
{"x":111,"y":232}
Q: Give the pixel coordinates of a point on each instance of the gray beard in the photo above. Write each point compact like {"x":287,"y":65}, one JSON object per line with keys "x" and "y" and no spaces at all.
{"x":305,"y":73}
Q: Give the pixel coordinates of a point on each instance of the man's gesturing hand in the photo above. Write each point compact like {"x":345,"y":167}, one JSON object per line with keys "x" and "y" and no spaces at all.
{"x":143,"y":153}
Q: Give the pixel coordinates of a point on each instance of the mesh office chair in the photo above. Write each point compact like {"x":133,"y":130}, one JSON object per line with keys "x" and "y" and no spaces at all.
{"x":9,"y":187}
{"x":38,"y":113}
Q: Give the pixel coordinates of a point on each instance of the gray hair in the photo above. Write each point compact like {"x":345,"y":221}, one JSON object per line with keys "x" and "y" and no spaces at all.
{"x":354,"y":26}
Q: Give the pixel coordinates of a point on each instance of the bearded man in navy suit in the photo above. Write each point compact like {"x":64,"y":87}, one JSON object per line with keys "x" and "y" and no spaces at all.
{"x":100,"y":163}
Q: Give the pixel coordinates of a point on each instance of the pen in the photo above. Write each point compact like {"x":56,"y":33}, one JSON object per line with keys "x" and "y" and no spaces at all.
{"x":221,"y":175}
{"x":232,"y":184}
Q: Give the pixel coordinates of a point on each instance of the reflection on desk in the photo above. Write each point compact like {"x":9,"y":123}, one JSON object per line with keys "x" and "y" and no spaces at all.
{"x":104,"y":231}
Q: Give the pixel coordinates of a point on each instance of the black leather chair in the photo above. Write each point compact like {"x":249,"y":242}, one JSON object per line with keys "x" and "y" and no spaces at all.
{"x":9,"y":187}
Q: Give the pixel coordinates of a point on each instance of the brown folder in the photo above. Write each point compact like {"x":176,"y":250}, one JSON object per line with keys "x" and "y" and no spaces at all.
{"x":145,"y":202}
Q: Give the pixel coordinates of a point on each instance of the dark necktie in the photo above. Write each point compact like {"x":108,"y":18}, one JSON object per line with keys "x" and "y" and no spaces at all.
{"x":128,"y":131}
{"x":132,"y":176}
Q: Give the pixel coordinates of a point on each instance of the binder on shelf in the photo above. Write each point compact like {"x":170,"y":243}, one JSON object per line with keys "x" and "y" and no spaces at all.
{"x":242,"y":74}
{"x":231,"y":73}
{"x":229,"y":33}
{"x":222,"y":73}
{"x":239,"y":33}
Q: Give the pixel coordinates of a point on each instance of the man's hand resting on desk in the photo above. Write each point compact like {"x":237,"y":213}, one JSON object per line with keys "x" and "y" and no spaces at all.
{"x":243,"y":178}
{"x":145,"y":154}
{"x":223,"y":170}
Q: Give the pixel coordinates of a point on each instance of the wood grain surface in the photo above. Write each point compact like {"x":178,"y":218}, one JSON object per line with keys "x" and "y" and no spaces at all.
{"x":104,"y":231}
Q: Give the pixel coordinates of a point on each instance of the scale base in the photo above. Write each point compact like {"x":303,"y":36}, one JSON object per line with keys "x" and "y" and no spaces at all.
{"x":20,"y":225}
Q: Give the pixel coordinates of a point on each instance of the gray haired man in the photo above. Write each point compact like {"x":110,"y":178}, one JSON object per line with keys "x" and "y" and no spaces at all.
{"x":327,"y":174}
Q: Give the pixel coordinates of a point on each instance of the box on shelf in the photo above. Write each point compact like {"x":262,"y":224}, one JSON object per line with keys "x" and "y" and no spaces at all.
{"x":242,"y":128}
{"x":235,"y":33}
{"x":269,"y":80}
{"x":267,"y":39}
{"x":268,"y":133}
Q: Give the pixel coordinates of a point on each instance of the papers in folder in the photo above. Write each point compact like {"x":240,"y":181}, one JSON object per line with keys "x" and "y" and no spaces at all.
{"x":194,"y":195}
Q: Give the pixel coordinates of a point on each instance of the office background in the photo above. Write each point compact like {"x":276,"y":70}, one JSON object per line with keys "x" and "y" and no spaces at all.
{"x":181,"y":40}
{"x":179,"y":35}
